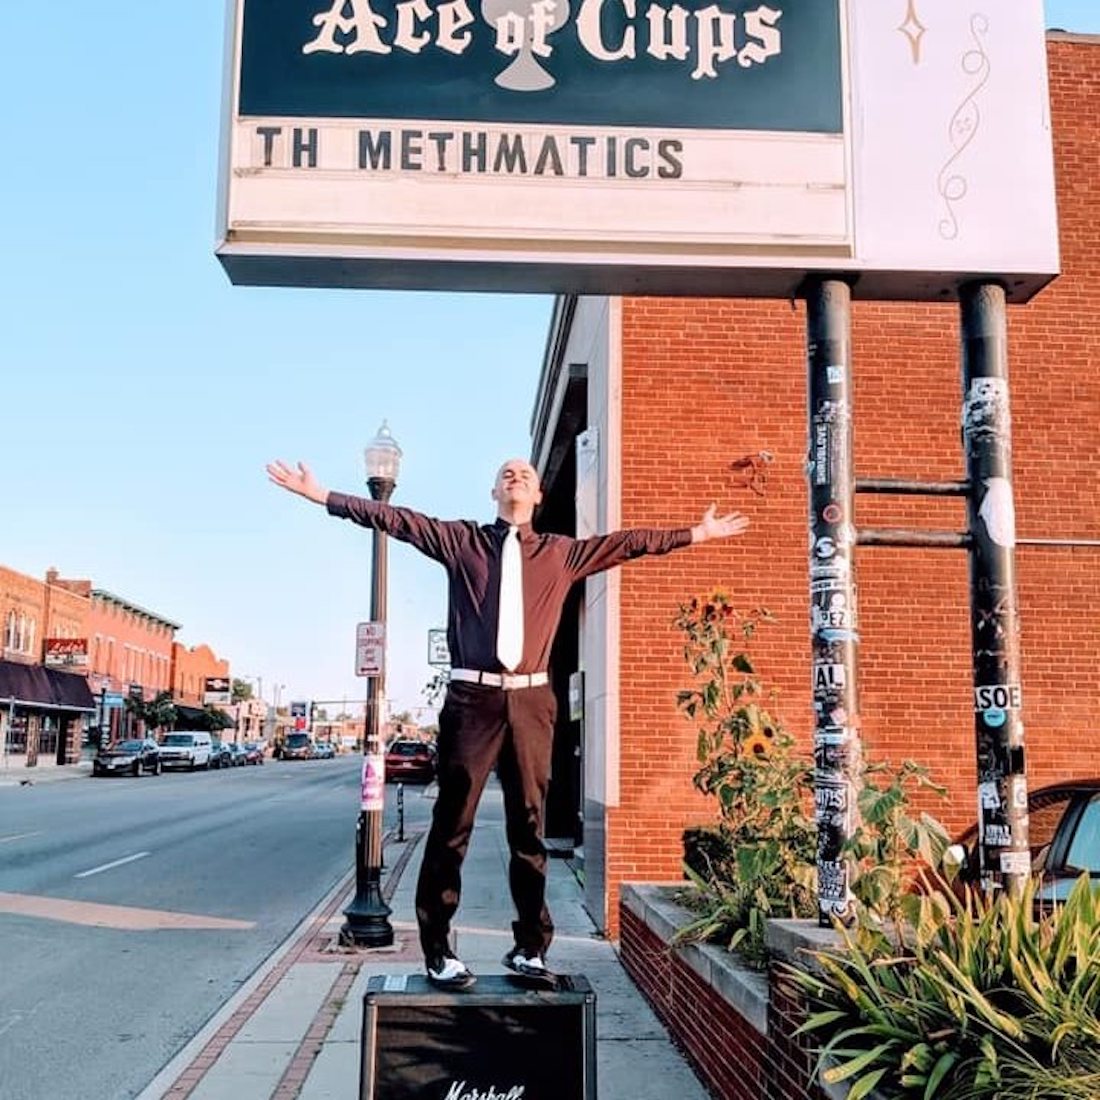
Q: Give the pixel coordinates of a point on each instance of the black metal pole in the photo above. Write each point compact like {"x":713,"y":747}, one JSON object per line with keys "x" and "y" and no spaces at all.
{"x":1004,"y":858}
{"x":834,"y":622}
{"x":367,"y":918}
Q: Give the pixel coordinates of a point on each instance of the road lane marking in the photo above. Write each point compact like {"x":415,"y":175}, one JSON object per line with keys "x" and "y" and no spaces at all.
{"x":18,"y":836}
{"x":108,"y":866}
{"x":124,"y":917}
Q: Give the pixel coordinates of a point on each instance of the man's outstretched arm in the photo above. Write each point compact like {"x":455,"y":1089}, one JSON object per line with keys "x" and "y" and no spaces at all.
{"x":714,"y":526}
{"x":430,"y":536}
{"x":300,"y":481}
{"x":592,"y":555}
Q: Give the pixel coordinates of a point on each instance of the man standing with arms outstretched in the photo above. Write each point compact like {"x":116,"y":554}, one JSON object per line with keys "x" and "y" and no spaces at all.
{"x":507,"y":586}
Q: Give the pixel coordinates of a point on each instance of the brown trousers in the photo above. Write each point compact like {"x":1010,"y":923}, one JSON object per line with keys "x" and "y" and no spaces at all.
{"x":481,"y":726}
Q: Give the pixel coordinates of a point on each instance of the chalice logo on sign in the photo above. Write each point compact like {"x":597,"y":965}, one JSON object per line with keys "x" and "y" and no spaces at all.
{"x":522,"y":28}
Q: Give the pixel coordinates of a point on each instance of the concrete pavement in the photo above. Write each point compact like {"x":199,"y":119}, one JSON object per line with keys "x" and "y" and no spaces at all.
{"x":292,"y":1032}
{"x":14,"y":771}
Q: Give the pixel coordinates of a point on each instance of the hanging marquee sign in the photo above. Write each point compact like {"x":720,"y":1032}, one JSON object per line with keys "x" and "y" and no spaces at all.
{"x":664,"y":146}
{"x":67,"y":653}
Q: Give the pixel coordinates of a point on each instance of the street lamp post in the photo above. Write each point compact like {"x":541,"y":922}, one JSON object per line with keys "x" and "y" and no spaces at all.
{"x":367,"y":922}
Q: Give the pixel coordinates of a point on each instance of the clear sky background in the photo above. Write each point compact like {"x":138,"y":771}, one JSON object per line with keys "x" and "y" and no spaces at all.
{"x":142,"y":394}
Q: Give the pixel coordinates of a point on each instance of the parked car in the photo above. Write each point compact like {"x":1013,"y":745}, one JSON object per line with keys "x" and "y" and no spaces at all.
{"x":298,"y":746}
{"x":220,"y":756}
{"x":408,"y":759}
{"x":253,"y":753}
{"x":130,"y":757}
{"x":1063,"y":833}
{"x":186,"y":749}
{"x":323,"y":750}
{"x":237,"y":755}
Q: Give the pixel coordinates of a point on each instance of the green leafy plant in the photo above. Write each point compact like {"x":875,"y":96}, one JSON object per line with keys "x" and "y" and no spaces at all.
{"x":892,"y":847}
{"x":157,"y":713}
{"x":758,"y":862}
{"x":986,"y":1002}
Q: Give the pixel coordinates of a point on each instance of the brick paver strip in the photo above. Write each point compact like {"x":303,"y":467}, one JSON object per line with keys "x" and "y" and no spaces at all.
{"x":189,"y":1079}
{"x":295,"y":1074}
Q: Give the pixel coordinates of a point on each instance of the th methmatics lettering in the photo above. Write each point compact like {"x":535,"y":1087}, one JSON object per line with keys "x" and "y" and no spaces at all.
{"x":481,"y":152}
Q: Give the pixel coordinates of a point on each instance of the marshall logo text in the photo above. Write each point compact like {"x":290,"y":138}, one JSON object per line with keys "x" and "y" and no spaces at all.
{"x":459,"y":1091}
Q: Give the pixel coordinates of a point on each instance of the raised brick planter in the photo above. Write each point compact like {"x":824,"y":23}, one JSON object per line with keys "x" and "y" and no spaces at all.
{"x":736,"y":1025}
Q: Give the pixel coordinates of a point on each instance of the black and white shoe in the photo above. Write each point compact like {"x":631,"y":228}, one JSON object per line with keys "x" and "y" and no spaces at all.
{"x":531,"y":967}
{"x":448,"y":972}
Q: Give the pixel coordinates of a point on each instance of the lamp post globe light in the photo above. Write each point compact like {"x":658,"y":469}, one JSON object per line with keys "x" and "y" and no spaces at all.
{"x":367,"y":922}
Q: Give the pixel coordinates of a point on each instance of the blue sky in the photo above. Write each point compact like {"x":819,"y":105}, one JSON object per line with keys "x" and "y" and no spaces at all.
{"x":144,"y":394}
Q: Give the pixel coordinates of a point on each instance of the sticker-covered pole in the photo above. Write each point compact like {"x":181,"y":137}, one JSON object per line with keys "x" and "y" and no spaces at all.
{"x":987,"y":436}
{"x":833,"y":618}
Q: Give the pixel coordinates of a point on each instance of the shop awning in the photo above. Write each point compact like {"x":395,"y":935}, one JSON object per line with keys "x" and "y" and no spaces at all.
{"x":190,"y":718}
{"x":40,"y":688}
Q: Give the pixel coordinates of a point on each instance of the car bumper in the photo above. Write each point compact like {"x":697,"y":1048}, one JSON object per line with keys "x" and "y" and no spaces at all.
{"x":423,"y":774}
{"x":120,"y":764}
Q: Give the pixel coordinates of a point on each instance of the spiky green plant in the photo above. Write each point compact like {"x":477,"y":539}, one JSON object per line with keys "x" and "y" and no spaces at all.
{"x":986,"y":1001}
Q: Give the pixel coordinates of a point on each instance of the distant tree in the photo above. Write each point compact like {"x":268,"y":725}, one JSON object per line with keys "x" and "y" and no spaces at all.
{"x":214,"y":719}
{"x":242,"y":690}
{"x":157,"y":713}
{"x":403,"y":718}
{"x":320,"y":714}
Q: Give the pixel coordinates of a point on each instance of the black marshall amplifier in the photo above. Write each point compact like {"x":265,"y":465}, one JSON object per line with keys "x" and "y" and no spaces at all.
{"x":495,"y":1041}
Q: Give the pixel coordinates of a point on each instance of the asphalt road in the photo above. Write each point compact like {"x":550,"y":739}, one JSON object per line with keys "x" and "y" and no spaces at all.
{"x":93,"y":1013}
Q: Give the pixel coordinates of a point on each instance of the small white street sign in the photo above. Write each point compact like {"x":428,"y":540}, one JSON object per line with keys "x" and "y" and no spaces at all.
{"x":439,"y":653}
{"x":370,"y":649}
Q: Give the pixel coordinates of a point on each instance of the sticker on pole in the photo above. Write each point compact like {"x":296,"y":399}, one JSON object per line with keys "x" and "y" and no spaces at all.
{"x":373,"y":793}
{"x":370,"y":649}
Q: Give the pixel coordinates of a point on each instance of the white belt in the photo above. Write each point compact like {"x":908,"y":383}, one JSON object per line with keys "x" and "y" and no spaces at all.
{"x":509,"y":681}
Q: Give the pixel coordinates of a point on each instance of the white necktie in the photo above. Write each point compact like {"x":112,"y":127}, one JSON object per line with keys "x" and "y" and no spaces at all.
{"x":510,"y":617}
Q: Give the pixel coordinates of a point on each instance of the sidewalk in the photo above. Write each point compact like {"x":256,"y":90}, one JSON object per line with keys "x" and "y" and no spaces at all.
{"x":292,"y":1032}
{"x":15,"y":773}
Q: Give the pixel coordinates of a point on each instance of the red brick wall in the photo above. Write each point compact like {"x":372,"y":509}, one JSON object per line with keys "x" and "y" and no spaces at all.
{"x":190,"y":667}
{"x":66,"y":612}
{"x":128,"y":647}
{"x":727,"y":378}
{"x":728,"y":1053}
{"x":24,"y":596}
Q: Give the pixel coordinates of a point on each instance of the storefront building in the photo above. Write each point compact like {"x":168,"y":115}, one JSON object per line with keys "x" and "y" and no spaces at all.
{"x":649,"y":409}
{"x":45,"y":703}
{"x":130,"y":658}
{"x":191,"y":669}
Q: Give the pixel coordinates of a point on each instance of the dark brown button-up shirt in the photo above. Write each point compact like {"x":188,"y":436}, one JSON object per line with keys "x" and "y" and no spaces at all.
{"x":471,"y":555}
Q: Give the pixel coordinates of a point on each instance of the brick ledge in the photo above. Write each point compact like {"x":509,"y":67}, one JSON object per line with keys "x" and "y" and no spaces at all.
{"x":744,"y":990}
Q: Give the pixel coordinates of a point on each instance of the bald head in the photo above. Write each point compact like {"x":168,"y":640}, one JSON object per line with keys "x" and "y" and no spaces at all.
{"x":517,"y":491}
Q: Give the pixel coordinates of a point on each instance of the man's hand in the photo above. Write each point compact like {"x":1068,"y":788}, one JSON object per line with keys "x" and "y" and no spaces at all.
{"x":715,"y":526}
{"x":300,"y":481}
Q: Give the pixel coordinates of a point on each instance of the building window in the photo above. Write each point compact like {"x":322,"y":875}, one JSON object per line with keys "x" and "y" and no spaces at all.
{"x":19,"y":633}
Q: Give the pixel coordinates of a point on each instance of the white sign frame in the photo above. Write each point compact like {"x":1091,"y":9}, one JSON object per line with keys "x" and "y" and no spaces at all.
{"x":439,"y":653}
{"x":370,"y":649}
{"x":943,"y":174}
